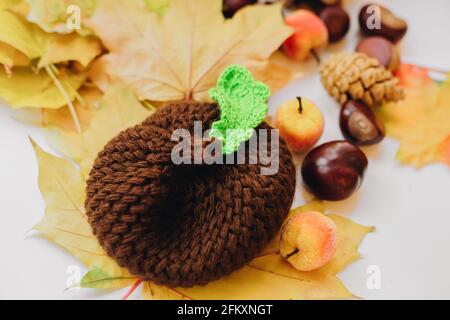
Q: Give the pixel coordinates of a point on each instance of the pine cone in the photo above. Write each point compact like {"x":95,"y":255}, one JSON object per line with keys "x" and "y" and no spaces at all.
{"x":359,"y":77}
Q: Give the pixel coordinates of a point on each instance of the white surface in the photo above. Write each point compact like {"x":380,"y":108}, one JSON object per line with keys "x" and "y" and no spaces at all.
{"x":409,"y":208}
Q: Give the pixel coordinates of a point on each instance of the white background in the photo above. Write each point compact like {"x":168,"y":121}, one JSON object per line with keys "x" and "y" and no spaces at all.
{"x":410,"y":208}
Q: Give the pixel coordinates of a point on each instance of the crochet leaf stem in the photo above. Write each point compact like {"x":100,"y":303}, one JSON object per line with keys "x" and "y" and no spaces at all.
{"x":61,"y":89}
{"x":132,"y":289}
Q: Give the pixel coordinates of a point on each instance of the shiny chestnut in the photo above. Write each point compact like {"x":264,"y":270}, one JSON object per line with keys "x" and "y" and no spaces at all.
{"x":334,"y":171}
{"x":359,"y":124}
{"x":381,"y":49}
{"x":376,"y":20}
{"x":337,"y":21}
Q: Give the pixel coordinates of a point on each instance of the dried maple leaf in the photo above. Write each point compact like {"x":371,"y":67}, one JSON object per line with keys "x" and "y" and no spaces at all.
{"x":70,"y":47}
{"x":422,"y":121}
{"x":118,"y":110}
{"x":249,"y":283}
{"x":21,"y":44}
{"x":25,"y":88}
{"x":6,"y":4}
{"x":180,"y":55}
{"x":267,"y":276}
{"x":11,"y":57}
{"x":85,"y":106}
{"x":158,"y":6}
{"x":34,"y":43}
{"x":65,"y":222}
{"x":52,"y":15}
{"x":20,"y":34}
{"x":96,"y":278}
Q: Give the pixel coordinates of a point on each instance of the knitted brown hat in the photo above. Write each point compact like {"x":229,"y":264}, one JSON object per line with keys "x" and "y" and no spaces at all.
{"x":182,"y":225}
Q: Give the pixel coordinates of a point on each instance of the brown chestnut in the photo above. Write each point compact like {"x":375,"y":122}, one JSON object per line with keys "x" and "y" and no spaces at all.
{"x":376,"y":20}
{"x":359,"y":124}
{"x":230,"y":7}
{"x":334,"y":171}
{"x":331,"y":2}
{"x":312,"y":5}
{"x":337,"y":21}
{"x":381,"y":49}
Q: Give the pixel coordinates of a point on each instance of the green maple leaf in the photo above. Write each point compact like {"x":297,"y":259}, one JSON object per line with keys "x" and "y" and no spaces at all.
{"x":243,"y":106}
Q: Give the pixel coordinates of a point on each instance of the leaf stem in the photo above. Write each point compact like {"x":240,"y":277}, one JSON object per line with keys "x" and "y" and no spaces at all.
{"x":66,"y":97}
{"x":76,"y":93}
{"x":54,"y":69}
{"x":8,"y":70}
{"x":132,"y":289}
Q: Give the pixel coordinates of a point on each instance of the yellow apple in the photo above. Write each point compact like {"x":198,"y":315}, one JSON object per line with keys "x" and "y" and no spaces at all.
{"x":308,"y":240}
{"x":300,"y":123}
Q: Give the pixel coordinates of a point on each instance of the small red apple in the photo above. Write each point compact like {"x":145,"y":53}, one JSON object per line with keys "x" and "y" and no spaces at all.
{"x":310,"y":33}
{"x":300,"y":123}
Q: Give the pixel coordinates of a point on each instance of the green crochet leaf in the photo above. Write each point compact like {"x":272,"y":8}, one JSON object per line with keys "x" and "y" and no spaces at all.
{"x":243,"y":106}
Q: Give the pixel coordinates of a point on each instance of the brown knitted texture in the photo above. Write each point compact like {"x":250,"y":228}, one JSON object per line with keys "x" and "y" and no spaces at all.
{"x":183,"y":225}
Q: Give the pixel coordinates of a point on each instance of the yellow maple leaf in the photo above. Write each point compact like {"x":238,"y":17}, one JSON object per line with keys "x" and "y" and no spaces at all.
{"x":25,"y":88}
{"x":118,"y":110}
{"x":11,"y":57}
{"x":97,"y":278}
{"x":249,"y":283}
{"x":65,"y":222}
{"x":444,"y":151}
{"x":421,"y":122}
{"x":52,"y":15}
{"x":158,"y":6}
{"x":85,"y":107}
{"x":267,"y":276}
{"x":70,"y":47}
{"x":33,"y":42}
{"x":20,"y":34}
{"x":6,"y":4}
{"x":180,"y":55}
